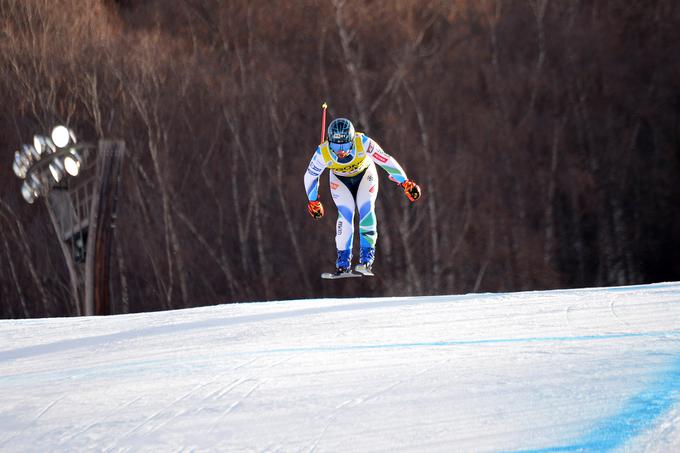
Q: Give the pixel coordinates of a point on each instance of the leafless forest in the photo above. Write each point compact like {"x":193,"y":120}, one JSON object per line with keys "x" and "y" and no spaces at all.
{"x":545,"y":135}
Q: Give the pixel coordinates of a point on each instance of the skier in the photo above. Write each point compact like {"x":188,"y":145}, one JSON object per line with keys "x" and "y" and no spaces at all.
{"x":351,"y":157}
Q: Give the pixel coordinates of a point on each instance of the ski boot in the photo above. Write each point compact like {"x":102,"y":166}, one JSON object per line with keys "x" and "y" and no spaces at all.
{"x":342,"y":271}
{"x":342,"y":266}
{"x":366,"y":258}
{"x":343,"y":263}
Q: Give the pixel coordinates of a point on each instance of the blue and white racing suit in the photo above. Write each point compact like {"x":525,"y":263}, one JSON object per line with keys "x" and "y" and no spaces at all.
{"x":354,"y":187}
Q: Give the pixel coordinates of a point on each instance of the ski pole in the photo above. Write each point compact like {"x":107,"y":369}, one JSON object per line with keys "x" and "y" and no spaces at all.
{"x":324,"y":106}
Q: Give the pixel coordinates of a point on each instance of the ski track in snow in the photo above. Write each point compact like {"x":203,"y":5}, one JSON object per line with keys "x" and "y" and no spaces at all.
{"x":545,"y":371}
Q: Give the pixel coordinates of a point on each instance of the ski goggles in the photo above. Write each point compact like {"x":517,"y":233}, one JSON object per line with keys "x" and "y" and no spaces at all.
{"x":341,"y":147}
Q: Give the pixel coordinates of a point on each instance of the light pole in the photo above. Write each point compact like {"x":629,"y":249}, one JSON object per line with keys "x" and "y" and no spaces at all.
{"x":79,"y":183}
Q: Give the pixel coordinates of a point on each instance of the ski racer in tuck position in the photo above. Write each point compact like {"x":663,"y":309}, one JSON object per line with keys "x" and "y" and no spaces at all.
{"x":350,"y":157}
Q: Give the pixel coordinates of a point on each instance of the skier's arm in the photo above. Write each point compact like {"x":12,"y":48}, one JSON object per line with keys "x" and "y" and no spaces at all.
{"x":314,"y":169}
{"x":393,"y":169}
{"x":385,"y":161}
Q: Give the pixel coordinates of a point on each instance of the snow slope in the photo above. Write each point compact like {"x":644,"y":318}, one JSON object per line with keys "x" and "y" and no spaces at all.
{"x":569,"y":370}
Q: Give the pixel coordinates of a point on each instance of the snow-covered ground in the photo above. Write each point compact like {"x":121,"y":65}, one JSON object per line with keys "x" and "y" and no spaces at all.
{"x":570,"y":370}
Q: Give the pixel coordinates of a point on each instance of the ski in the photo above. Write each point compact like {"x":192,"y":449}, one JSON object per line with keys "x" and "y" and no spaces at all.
{"x":333,"y":276}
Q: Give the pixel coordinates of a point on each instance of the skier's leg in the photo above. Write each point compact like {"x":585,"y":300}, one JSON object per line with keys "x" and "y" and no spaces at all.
{"x":344,"y":228}
{"x":367,"y":194}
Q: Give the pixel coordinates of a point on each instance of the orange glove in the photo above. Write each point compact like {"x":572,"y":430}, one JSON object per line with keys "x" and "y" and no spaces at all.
{"x":315,"y":209}
{"x":411,"y":189}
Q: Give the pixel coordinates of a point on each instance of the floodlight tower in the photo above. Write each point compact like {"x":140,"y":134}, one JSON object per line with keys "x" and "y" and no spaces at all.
{"x":79,"y":183}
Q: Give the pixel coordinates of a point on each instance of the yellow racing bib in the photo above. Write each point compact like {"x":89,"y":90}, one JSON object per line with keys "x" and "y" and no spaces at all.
{"x":351,"y":168}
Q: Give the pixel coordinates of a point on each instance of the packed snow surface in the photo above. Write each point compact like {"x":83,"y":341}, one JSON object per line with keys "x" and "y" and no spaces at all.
{"x":570,"y":370}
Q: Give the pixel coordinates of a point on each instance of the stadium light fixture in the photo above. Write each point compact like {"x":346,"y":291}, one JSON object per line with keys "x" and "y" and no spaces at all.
{"x":32,"y":153}
{"x":47,"y":161}
{"x":62,"y":136}
{"x":19,"y":166}
{"x":27,"y":156}
{"x":72,"y":162}
{"x":43,"y":144}
{"x":28,"y":193}
{"x":35,"y":183}
{"x":57,"y":169}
